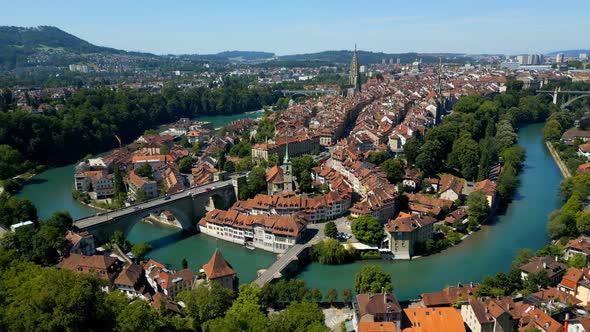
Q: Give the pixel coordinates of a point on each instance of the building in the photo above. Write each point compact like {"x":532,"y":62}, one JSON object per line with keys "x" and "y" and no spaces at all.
{"x":432,"y":320}
{"x":167,"y":281}
{"x":298,"y":146}
{"x":220,"y":271}
{"x":490,"y":315}
{"x":449,"y":296}
{"x":131,"y":281}
{"x":81,"y":243}
{"x":279,"y":179}
{"x":451,"y":187}
{"x":380,"y":307}
{"x":354,"y":78}
{"x":489,"y":190}
{"x":576,"y":283}
{"x":405,"y":231}
{"x":377,"y":327}
{"x":275,"y":233}
{"x":136,"y":182}
{"x":554,"y":269}
{"x":105,"y":267}
{"x":580,"y":246}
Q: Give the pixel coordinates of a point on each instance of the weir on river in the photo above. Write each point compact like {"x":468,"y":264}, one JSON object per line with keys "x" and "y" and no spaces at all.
{"x":488,"y":251}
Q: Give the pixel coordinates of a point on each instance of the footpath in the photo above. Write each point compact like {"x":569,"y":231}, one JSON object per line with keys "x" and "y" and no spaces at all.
{"x":564,"y":170}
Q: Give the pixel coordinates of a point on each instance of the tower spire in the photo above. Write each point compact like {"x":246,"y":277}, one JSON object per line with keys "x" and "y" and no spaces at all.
{"x":354,"y":77}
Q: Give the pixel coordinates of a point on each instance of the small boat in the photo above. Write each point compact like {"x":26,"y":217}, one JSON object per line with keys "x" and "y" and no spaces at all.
{"x":249,"y":246}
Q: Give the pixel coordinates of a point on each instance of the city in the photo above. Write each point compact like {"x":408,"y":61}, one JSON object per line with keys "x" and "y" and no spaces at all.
{"x":327,"y":190}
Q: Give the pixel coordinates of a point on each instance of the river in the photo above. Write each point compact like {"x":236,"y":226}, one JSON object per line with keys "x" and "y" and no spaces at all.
{"x":488,"y":251}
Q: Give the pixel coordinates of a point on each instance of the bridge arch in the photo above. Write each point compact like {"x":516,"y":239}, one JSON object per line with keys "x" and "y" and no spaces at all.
{"x":569,"y":102}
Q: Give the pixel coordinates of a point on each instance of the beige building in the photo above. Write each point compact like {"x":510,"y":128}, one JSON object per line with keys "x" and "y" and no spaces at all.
{"x":491,"y":315}
{"x":220,"y":271}
{"x":136,"y":182}
{"x":405,"y":231}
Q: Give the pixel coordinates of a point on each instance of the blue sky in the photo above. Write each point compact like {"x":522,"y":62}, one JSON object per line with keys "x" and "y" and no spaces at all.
{"x":288,"y":27}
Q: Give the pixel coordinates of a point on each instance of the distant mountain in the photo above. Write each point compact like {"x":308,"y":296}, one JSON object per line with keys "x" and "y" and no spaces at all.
{"x":245,"y":55}
{"x":17,"y":43}
{"x":570,"y":53}
{"x":365,"y":57}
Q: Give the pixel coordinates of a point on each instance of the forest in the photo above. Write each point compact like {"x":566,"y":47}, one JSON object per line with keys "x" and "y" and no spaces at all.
{"x":86,"y":122}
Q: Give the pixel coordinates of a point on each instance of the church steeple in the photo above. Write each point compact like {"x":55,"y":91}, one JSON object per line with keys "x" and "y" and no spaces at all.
{"x":286,"y":159}
{"x":354,"y":77}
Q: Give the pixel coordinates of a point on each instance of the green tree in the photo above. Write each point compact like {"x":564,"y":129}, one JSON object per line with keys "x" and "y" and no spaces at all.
{"x":145,"y":170}
{"x":229,"y":166}
{"x":412,"y":150}
{"x":523,"y":257}
{"x":220,"y":159}
{"x":346,"y":295}
{"x":331,"y":295}
{"x":578,"y":261}
{"x":137,"y":316}
{"x":305,"y":182}
{"x":302,"y":164}
{"x":139,"y":250}
{"x":552,"y":130}
{"x":536,"y":281}
{"x":118,"y":183}
{"x":206,"y":302}
{"x":14,"y":210}
{"x":196,"y":149}
{"x":379,"y":157}
{"x":315,"y":295}
{"x":330,"y":230}
{"x":11,"y":161}
{"x":184,"y":264}
{"x":368,"y":229}
{"x":583,"y":222}
{"x":256,"y":181}
{"x":245,"y":314}
{"x":430,"y":158}
{"x":184,"y":142}
{"x":394,"y":169}
{"x":141,"y":195}
{"x":330,"y":251}
{"x":465,"y":157}
{"x":505,"y":135}
{"x":477,"y":207}
{"x":298,"y":317}
{"x":185,"y":164}
{"x":372,"y":279}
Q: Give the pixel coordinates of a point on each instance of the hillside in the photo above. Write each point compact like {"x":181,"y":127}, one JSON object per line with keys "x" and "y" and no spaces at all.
{"x":18,"y":43}
{"x":365,"y":57}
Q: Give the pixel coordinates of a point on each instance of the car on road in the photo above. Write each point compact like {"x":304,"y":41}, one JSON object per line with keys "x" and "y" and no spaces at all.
{"x":207,"y":189}
{"x":166,"y":197}
{"x":136,"y":208}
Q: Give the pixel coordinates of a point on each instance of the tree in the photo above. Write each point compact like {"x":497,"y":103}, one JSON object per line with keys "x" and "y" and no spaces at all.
{"x":430,"y":158}
{"x":185,"y":164}
{"x":523,"y":257}
{"x":184,"y":263}
{"x":513,"y":156}
{"x":14,"y":210}
{"x":206,"y":302}
{"x":119,"y":239}
{"x":118,"y":183}
{"x":245,"y":314}
{"x":505,"y":135}
{"x":331,"y":295}
{"x":62,"y":220}
{"x":507,"y":183}
{"x":220,"y":159}
{"x":196,"y":149}
{"x":465,"y":156}
{"x":305,"y":182}
{"x":583,"y":222}
{"x":137,"y":316}
{"x":346,"y":295}
{"x":372,"y":279}
{"x":302,"y":165}
{"x":145,"y":170}
{"x":330,"y":251}
{"x":379,"y":157}
{"x":536,"y":281}
{"x":11,"y":161}
{"x":139,"y":250}
{"x":394,"y":169}
{"x":330,"y":230}
{"x":184,"y":142}
{"x":412,"y":149}
{"x":477,"y":207}
{"x":141,"y":195}
{"x":468,"y":104}
{"x":367,"y":229}
{"x":552,"y":130}
{"x":315,"y":295}
{"x":229,"y":166}
{"x":298,"y":316}
{"x":256,"y":181}
{"x":578,"y":261}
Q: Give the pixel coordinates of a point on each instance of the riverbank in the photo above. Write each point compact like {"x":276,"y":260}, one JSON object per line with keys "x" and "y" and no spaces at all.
{"x":560,"y":164}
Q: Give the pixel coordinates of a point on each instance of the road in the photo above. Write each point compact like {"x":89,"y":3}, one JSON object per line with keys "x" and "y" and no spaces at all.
{"x":280,"y":264}
{"x":106,"y":216}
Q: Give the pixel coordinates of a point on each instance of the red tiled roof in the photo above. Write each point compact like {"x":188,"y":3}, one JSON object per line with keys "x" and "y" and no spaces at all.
{"x":218,"y":267}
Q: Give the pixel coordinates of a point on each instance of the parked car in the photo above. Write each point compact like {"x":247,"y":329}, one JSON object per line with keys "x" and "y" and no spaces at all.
{"x":166,"y":197}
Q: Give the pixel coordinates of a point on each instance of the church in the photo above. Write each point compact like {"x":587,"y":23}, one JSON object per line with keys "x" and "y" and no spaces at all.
{"x":279,"y":179}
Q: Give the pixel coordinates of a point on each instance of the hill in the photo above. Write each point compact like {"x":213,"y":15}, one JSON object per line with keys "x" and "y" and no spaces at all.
{"x":570,"y":53}
{"x":17,"y":43}
{"x":365,"y":57}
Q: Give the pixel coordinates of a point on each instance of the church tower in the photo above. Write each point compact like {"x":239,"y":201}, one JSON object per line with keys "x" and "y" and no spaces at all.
{"x":355,"y":77}
{"x":287,"y":171}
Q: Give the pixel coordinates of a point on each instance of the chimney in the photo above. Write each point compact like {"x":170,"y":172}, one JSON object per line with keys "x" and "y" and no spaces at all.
{"x":544,"y":265}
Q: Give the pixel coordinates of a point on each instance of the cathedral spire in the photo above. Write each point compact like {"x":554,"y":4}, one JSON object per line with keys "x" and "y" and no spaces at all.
{"x":354,"y":78}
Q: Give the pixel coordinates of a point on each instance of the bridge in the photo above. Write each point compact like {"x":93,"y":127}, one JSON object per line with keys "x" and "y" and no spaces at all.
{"x":280,"y":264}
{"x":308,"y":92}
{"x":187,"y":206}
{"x":557,"y":91}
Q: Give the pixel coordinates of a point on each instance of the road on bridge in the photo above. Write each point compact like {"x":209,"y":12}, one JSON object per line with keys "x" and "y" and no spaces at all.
{"x":156,"y":202}
{"x":280,"y":264}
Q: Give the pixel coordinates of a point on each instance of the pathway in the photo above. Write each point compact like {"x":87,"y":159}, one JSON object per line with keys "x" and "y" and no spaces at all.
{"x":564,"y":170}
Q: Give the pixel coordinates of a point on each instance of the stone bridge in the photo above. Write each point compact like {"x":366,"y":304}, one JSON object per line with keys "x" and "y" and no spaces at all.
{"x":188,"y":207}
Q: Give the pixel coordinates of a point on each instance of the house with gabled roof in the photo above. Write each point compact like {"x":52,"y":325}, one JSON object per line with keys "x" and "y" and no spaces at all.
{"x":220,"y":271}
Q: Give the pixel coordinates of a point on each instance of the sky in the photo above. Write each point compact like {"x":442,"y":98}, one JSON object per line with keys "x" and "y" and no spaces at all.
{"x":305,"y":26}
